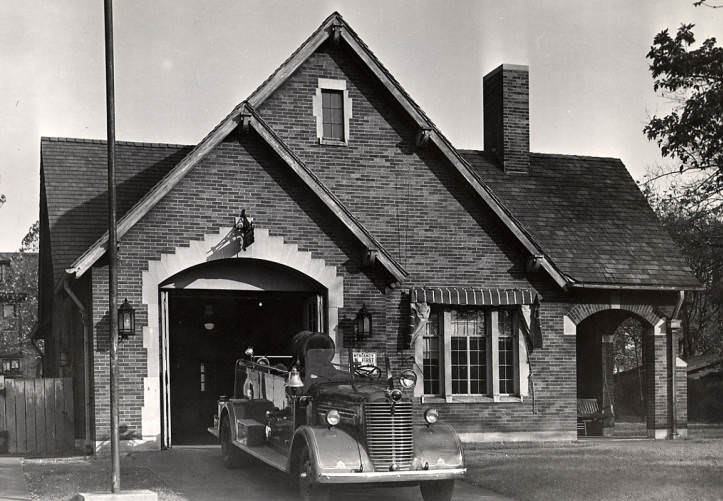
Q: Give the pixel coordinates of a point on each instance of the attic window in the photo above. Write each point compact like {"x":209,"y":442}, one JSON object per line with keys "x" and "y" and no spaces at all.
{"x":332,"y":109}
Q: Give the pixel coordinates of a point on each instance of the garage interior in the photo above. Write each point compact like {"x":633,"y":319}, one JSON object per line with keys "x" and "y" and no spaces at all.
{"x":209,"y":329}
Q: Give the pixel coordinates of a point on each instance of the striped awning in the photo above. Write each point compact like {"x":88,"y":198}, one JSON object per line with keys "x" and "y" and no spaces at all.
{"x":472,"y":296}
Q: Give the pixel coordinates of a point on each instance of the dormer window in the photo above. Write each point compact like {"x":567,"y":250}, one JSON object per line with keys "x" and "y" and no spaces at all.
{"x":332,"y":109}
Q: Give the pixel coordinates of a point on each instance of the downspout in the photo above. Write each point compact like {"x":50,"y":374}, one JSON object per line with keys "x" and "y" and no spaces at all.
{"x":86,"y":359}
{"x":674,"y":358}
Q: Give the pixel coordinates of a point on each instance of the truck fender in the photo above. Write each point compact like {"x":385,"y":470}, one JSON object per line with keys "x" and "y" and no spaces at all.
{"x":438,"y":446}
{"x":331,"y":450}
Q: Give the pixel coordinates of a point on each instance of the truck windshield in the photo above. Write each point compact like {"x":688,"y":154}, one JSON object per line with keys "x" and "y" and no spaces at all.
{"x":320,"y":369}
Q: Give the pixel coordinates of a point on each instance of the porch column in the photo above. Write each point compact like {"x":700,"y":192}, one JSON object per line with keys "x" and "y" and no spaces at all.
{"x":680,"y":383}
{"x":608,"y":384}
{"x":658,"y":379}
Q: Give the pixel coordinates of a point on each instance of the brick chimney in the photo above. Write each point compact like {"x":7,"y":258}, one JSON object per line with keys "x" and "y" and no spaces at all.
{"x":506,"y":94}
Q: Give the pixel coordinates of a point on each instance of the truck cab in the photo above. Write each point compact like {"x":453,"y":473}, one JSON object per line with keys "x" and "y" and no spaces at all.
{"x":326,"y":423}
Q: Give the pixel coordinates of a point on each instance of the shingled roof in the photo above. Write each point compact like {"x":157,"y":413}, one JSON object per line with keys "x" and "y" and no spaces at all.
{"x":590,"y":218}
{"x":74,"y":175}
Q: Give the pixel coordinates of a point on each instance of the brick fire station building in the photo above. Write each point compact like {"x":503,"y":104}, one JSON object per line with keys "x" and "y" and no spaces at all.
{"x":499,"y":274}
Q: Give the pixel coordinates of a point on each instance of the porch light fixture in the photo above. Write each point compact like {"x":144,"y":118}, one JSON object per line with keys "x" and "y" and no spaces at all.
{"x":209,"y":319}
{"x":126,"y":320}
{"x":363,"y":324}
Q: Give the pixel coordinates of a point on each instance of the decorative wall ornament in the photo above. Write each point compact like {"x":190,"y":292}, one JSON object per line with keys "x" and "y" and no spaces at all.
{"x":421,"y":317}
{"x":242,"y":233}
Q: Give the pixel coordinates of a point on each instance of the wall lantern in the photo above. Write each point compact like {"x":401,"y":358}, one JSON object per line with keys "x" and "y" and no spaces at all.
{"x":126,"y":320}
{"x":363,"y":324}
{"x":209,"y":318}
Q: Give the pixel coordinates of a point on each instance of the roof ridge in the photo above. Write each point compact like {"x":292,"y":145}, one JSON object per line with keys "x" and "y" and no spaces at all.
{"x":291,"y":56}
{"x":546,"y":154}
{"x":144,"y":144}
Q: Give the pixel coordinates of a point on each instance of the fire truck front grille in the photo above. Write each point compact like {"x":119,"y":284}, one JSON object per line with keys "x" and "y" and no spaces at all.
{"x":389,"y":435}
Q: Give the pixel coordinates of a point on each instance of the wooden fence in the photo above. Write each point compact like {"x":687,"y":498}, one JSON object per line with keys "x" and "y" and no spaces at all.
{"x":36,"y":416}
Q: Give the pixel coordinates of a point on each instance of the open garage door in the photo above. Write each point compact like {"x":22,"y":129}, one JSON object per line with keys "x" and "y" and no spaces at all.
{"x":213,"y":313}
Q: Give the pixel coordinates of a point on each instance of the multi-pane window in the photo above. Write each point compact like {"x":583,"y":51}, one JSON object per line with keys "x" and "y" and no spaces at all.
{"x":431,"y":355}
{"x":471,"y":351}
{"x":505,"y":350}
{"x":332,"y":106}
{"x":203,"y":376}
{"x":467,"y":352}
{"x":15,"y":364}
{"x":4,"y":271}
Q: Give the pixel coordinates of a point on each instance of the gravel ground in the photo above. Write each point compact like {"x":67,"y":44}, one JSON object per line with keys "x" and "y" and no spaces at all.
{"x":602,"y":469}
{"x":587,"y":469}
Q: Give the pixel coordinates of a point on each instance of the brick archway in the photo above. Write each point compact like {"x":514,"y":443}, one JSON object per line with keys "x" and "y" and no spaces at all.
{"x":210,"y":248}
{"x":580,"y":312}
{"x":654,"y":345}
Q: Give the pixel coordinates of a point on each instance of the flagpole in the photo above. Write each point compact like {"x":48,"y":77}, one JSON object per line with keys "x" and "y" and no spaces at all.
{"x":112,"y":248}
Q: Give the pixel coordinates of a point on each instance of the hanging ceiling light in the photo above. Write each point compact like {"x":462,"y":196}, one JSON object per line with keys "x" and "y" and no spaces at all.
{"x":209,"y":318}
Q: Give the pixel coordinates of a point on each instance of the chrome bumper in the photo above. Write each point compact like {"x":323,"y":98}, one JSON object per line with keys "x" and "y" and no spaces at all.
{"x":390,"y":476}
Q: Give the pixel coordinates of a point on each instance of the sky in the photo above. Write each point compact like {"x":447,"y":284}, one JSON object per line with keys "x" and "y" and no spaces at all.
{"x":182,"y":65}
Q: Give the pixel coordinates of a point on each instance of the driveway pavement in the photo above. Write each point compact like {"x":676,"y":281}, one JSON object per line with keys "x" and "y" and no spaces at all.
{"x":12,"y":480}
{"x":197,"y":473}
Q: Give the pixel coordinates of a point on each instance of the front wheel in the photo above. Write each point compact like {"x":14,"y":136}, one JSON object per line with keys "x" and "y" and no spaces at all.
{"x":308,"y":489}
{"x":232,"y":457}
{"x":437,"y":490}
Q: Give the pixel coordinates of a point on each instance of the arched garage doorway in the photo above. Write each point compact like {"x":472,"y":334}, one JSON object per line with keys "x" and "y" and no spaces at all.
{"x":213,"y":312}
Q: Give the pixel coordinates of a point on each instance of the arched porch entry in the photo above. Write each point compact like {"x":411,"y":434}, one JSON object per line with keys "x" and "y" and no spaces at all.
{"x":599,"y":332}
{"x":294,"y":289}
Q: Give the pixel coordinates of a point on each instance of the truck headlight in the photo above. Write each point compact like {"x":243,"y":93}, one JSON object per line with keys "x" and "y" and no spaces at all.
{"x":431,"y":416}
{"x":332,"y":417}
{"x":408,"y":379}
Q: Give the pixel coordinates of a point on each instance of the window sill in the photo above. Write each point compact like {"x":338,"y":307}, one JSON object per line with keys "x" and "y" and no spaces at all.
{"x":471,"y":399}
{"x":333,"y":142}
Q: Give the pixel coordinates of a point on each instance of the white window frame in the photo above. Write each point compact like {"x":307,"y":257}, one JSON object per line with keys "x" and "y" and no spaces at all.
{"x":492,"y":332}
{"x":336,"y":85}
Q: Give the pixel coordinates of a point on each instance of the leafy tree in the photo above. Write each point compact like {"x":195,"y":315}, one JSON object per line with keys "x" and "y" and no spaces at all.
{"x":2,"y":199}
{"x":698,"y":234}
{"x":691,"y":133}
{"x":21,"y":281}
{"x":688,"y":195}
{"x":31,"y":239}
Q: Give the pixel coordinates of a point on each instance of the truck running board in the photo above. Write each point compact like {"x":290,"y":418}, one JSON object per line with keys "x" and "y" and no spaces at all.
{"x":264,"y":453}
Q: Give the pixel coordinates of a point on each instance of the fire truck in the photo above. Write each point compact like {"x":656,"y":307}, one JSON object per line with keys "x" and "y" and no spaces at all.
{"x":325,"y":423}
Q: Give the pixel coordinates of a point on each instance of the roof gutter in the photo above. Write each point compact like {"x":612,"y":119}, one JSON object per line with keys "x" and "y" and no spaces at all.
{"x":643,"y":287}
{"x":86,"y":357}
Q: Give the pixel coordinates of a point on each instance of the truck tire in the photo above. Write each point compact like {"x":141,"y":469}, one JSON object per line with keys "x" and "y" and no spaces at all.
{"x":437,"y":490}
{"x":308,"y":489}
{"x":231,"y":455}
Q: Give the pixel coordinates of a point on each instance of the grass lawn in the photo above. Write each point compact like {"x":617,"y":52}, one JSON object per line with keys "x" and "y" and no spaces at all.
{"x":602,"y":469}
{"x":56,"y":480}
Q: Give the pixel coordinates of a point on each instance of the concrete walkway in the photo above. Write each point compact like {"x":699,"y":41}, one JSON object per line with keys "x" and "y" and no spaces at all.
{"x":12,"y":480}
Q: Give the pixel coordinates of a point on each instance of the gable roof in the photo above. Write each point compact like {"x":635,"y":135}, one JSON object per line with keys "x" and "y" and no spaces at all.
{"x":590,"y":218}
{"x":247,"y":117}
{"x":75,"y":182}
{"x":333,"y":26}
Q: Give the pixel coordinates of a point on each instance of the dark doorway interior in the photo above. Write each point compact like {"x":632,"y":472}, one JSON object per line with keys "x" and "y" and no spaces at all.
{"x":202,"y":359}
{"x":611,"y":370}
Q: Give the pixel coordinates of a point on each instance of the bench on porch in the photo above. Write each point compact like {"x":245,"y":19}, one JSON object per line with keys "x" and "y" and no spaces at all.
{"x":588,"y":413}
